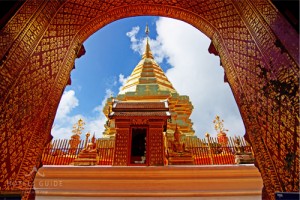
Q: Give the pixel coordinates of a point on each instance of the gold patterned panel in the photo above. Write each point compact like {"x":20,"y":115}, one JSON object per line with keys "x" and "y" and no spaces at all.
{"x":156,"y":151}
{"x":18,"y":99}
{"x":121,"y":147}
{"x":16,"y":25}
{"x":286,"y":40}
{"x":134,"y":9}
{"x":277,"y":95}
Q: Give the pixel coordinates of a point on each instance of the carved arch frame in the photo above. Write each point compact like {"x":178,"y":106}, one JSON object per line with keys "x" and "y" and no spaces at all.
{"x":40,"y":42}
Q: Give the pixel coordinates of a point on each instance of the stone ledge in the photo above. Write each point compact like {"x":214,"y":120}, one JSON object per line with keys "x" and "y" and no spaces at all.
{"x":162,"y":181}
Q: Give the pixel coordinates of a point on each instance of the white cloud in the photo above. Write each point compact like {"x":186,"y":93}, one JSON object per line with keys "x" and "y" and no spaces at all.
{"x":62,"y":127}
{"x":138,"y":45}
{"x":198,"y":74}
{"x":95,"y":125}
{"x":135,"y":43}
{"x":122,"y":81}
{"x":64,"y":120}
{"x":195,"y":73}
{"x":67,"y":103}
{"x":132,"y":34}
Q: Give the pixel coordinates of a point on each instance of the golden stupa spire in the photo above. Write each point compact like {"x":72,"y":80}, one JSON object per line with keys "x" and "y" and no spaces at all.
{"x":147,"y":53}
{"x":147,"y":74}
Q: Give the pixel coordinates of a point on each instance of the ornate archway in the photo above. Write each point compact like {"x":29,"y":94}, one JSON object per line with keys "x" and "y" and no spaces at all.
{"x":39,"y":43}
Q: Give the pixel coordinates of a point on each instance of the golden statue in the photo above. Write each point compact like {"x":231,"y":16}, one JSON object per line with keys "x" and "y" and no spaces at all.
{"x":91,"y":146}
{"x":89,"y":155}
{"x":178,"y":146}
{"x":178,"y":153}
{"x":242,"y":157}
{"x":238,"y":148}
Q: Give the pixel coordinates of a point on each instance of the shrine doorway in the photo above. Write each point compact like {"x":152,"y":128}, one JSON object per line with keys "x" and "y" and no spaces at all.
{"x":138,"y":146}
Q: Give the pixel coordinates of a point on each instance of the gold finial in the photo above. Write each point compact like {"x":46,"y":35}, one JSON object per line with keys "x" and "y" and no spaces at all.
{"x":219,"y":126}
{"x":147,"y":30}
{"x":147,"y":53}
{"x":78,"y":127}
{"x":87,"y":135}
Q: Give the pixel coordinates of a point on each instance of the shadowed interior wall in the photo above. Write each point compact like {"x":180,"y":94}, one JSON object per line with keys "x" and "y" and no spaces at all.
{"x":258,"y":50}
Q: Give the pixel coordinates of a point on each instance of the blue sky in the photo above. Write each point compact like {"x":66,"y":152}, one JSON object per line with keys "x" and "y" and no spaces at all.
{"x":114,"y":51}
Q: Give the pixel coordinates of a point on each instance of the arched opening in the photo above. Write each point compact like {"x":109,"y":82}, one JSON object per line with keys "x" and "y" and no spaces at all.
{"x":114,"y":51}
{"x":260,"y":58}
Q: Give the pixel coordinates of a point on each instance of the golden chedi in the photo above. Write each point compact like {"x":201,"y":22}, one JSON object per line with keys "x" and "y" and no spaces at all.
{"x":148,"y":92}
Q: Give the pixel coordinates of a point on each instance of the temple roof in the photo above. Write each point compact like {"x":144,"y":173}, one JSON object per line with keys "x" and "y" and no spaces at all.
{"x":141,"y":114}
{"x":124,"y":105}
{"x":140,"y":109}
{"x":147,"y":74}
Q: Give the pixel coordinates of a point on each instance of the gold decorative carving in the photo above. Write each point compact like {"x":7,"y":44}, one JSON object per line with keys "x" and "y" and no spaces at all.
{"x":121,"y":147}
{"x":139,"y":121}
{"x":156,"y":145}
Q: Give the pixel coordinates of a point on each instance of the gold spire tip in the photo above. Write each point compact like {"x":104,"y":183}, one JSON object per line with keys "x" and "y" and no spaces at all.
{"x":147,"y":30}
{"x":147,"y":53}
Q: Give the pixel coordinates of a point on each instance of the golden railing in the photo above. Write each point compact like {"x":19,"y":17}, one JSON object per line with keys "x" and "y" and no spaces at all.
{"x":210,"y":151}
{"x":58,"y":152}
{"x":206,"y":151}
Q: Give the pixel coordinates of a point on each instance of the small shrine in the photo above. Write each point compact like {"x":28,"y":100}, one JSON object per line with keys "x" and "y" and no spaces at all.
{"x":140,"y":126}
